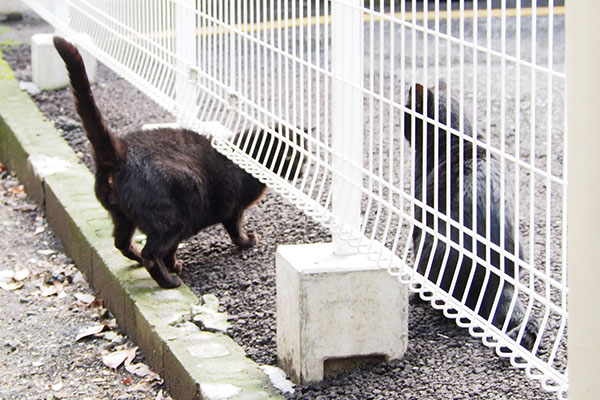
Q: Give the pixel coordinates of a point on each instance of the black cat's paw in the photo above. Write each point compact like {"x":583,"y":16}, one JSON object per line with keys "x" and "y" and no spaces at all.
{"x":177,"y":267}
{"x":250,"y":240}
{"x":161,"y":276}
{"x":414,"y":298}
{"x":169,"y":281}
{"x":253,"y":239}
{"x":529,"y":336}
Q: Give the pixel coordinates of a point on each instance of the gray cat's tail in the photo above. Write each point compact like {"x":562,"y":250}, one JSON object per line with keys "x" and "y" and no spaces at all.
{"x":109,"y":150}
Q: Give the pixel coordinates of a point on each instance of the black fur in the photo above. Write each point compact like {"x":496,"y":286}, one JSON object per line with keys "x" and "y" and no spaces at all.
{"x":171,"y":183}
{"x":426,"y":144}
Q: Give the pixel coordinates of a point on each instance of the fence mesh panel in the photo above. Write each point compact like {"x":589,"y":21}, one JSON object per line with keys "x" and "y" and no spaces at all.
{"x":432,"y":134}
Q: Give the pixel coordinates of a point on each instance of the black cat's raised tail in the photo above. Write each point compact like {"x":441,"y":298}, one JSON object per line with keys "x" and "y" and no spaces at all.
{"x":171,"y":183}
{"x":109,"y":150}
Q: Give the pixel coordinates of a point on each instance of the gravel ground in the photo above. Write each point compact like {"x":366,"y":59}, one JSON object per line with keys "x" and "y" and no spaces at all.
{"x":46,"y":303}
{"x":442,"y":361}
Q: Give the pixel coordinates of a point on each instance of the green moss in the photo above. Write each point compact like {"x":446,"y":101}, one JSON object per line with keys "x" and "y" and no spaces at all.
{"x":5,"y":72}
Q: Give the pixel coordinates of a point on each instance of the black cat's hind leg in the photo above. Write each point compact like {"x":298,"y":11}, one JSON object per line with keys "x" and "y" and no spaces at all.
{"x":516,"y":318}
{"x":236,"y":232}
{"x":157,"y":248}
{"x":123,"y":234}
{"x":171,"y":261}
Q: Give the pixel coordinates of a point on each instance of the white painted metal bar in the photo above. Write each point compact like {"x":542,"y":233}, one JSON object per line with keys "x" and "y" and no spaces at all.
{"x":185,"y":48}
{"x":338,"y":73}
{"x":346,"y":119}
{"x":584,"y":188}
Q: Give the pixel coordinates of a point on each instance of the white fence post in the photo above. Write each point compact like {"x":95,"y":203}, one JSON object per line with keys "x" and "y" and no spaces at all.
{"x":185,"y":50}
{"x":583,"y":83}
{"x":507,"y":62}
{"x":330,"y":298}
{"x":347,"y":57}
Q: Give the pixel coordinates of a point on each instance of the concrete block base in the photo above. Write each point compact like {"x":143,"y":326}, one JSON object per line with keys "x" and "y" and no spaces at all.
{"x":47,"y":68}
{"x":335,"y":311}
{"x":12,"y":7}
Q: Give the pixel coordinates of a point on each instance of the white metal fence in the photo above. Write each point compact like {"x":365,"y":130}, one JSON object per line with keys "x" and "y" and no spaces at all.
{"x":469,"y":207}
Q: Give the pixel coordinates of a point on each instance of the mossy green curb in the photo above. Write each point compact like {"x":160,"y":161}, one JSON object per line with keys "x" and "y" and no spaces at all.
{"x":195,"y":364}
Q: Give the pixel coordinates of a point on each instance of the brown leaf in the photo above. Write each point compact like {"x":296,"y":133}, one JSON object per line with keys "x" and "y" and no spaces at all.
{"x":90,"y":331}
{"x":98,"y":303}
{"x":86,"y":299}
{"x":46,"y":252}
{"x":139,"y":369}
{"x":140,"y":387}
{"x":110,"y":323}
{"x":111,"y":336}
{"x":26,"y":207}
{"x":131,"y":355}
{"x":6,"y":275}
{"x":21,"y":275}
{"x":128,"y":381}
{"x":116,"y":358}
{"x":46,"y":291}
{"x":18,"y":190}
{"x":11,"y":286}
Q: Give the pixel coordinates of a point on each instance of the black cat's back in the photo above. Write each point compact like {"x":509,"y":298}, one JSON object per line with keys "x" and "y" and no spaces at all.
{"x":171,"y":183}
{"x":175,"y":174}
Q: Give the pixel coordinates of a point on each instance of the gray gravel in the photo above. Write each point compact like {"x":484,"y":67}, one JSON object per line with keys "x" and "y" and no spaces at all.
{"x":44,"y":310}
{"x":442,"y":361}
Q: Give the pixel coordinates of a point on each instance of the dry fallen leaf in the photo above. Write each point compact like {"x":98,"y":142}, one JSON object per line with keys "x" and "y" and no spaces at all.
{"x":78,"y":277}
{"x":131,"y":355}
{"x":111,"y":336}
{"x":18,"y":190}
{"x":139,"y":369}
{"x":46,"y":252}
{"x":46,"y":291}
{"x":26,"y":207}
{"x":98,"y":303}
{"x":6,"y":275}
{"x":86,"y":299}
{"x":116,"y":358}
{"x":90,"y":331}
{"x":110,"y":323}
{"x":128,"y":381}
{"x":10,"y":286}
{"x":140,"y":387}
{"x":21,"y":275}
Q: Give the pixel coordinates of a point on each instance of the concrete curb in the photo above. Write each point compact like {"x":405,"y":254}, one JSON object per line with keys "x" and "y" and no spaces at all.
{"x":195,"y":364}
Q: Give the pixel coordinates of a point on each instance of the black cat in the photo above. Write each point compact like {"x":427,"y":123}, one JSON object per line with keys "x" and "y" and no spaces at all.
{"x":436,"y":183}
{"x":171,"y":183}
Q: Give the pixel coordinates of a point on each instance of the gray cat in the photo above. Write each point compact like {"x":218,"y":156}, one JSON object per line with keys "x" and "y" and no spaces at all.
{"x":437,"y":183}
